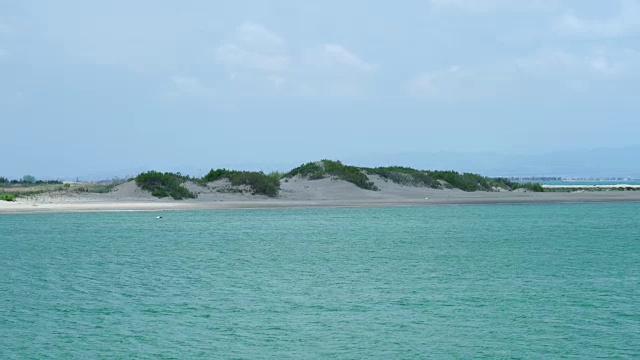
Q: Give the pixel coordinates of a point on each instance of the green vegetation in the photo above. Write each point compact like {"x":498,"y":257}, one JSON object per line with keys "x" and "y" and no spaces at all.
{"x":448,"y":179}
{"x":407,"y":176}
{"x":336,"y":169}
{"x":512,"y":185}
{"x":172,"y":184}
{"x":404,"y":176}
{"x":312,"y":171}
{"x":260,"y":183}
{"x":464,"y":181}
{"x":535,"y":187}
{"x":22,"y":190}
{"x":164,"y":185}
{"x":14,"y":188}
{"x":98,"y":188}
{"x":7,"y":197}
{"x":27,"y":180}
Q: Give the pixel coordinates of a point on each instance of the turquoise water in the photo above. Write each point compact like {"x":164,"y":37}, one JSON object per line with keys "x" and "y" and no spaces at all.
{"x":519,"y":281}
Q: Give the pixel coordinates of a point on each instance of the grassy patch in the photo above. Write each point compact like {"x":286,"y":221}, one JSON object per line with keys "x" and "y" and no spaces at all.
{"x":451,"y":179}
{"x":330,"y":168}
{"x":463,"y":181}
{"x":98,"y":188}
{"x":23,"y":191}
{"x":8,"y":197}
{"x":405,"y":176}
{"x":312,"y":171}
{"x":259,"y":182}
{"x":164,"y":185}
{"x":535,"y":187}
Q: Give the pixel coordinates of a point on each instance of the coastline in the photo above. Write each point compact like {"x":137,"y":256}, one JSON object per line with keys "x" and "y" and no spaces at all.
{"x":591,"y":186}
{"x":458,"y":198}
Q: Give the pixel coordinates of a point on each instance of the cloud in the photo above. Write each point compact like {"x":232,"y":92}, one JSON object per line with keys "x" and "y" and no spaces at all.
{"x":189,"y":86}
{"x":255,"y":36}
{"x":148,"y":37}
{"x":559,"y":63}
{"x":493,"y":5}
{"x":543,"y":72}
{"x":432,"y":83}
{"x":579,"y":71}
{"x":600,"y":65}
{"x":336,"y":56}
{"x":333,"y":70}
{"x":627,"y":21}
{"x":236,"y":57}
{"x":257,"y":60}
{"x":253,"y":48}
{"x":452,"y":83}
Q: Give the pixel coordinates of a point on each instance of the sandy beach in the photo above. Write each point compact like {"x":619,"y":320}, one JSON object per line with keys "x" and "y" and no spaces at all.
{"x":298,"y":192}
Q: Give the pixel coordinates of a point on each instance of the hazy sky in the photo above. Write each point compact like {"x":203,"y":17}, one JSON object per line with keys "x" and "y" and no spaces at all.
{"x":109,"y":85}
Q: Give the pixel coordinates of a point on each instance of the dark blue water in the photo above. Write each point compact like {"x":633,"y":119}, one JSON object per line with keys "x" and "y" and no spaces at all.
{"x":526,"y":281}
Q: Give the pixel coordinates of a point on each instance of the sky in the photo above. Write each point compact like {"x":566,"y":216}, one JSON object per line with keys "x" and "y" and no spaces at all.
{"x":88,"y":87}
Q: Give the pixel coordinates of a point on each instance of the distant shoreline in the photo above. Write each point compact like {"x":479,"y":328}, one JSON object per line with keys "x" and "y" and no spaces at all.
{"x":318,"y":184}
{"x":591,"y":186}
{"x":485,"y":199}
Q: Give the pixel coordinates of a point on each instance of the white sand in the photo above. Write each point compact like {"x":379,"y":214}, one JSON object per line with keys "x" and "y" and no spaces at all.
{"x":296,"y":192}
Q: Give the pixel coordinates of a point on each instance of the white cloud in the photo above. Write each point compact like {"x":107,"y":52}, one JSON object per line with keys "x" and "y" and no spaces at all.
{"x":544,"y":71}
{"x":558,"y":64}
{"x":493,"y":5}
{"x":146,"y":38}
{"x":333,"y":56}
{"x":602,"y":66}
{"x":254,"y":48}
{"x":256,"y":37}
{"x":257,"y":60}
{"x":333,"y":70}
{"x":237,"y":57}
{"x":626,"y":21}
{"x":432,"y":83}
{"x":188,"y":86}
{"x":453,"y":83}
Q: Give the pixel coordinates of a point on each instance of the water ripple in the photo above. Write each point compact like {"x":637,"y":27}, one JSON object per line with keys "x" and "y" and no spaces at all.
{"x":535,"y":281}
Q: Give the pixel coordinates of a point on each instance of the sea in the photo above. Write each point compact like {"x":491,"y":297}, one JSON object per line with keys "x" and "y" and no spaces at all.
{"x":493,"y":281}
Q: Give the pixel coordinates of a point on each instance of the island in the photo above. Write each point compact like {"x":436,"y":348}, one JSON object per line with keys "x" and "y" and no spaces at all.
{"x":318,"y":183}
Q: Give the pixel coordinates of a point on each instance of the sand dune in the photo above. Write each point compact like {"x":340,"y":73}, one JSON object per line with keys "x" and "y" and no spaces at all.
{"x":295,"y":192}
